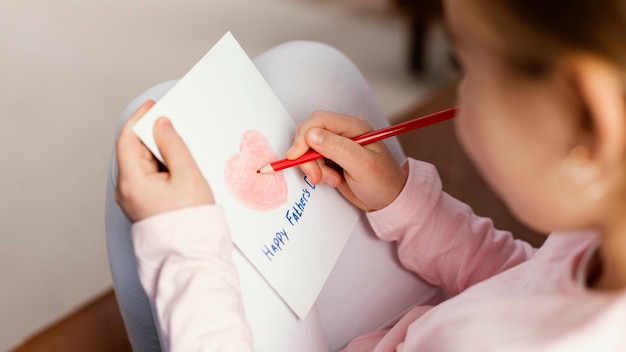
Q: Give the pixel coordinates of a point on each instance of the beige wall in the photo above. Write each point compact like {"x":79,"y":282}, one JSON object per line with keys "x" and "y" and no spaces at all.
{"x":68,"y":67}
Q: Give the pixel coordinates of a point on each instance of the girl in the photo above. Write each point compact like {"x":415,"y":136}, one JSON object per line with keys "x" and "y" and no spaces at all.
{"x":542,"y":114}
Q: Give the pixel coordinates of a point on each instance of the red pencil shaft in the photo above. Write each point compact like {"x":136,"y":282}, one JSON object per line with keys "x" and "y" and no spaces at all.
{"x":372,"y":137}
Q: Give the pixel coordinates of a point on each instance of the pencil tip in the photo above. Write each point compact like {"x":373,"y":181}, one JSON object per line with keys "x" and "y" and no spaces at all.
{"x":265,"y":169}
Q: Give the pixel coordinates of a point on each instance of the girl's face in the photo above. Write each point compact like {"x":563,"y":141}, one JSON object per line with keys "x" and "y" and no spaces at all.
{"x":514,"y":128}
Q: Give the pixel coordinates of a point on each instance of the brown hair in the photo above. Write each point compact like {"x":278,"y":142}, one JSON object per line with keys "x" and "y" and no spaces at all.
{"x":544,"y":30}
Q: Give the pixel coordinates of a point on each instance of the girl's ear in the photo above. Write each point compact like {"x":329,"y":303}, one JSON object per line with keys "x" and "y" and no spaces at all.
{"x":598,"y":159}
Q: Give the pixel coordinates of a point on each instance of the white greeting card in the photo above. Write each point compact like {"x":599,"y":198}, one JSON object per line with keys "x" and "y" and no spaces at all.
{"x":291,"y":230}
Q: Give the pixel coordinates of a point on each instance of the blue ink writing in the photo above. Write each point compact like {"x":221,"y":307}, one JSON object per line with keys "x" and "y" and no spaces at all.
{"x":294,"y":214}
{"x":306,"y":179}
{"x":278,"y":243}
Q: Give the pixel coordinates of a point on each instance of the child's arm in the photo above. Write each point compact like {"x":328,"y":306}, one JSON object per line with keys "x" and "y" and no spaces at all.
{"x":184,"y":265}
{"x":440,"y":238}
{"x":181,"y":242}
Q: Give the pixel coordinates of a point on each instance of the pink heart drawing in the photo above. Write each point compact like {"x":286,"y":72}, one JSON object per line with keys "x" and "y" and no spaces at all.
{"x":254,"y":190}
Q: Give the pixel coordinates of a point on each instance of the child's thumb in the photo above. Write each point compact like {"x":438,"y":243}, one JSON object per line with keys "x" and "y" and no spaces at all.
{"x":173,"y":149}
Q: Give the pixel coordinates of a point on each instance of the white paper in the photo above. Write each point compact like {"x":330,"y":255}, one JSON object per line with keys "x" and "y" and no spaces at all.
{"x":293,"y":235}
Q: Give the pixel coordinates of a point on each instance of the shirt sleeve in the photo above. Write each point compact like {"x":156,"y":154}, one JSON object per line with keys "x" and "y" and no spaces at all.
{"x":183,"y":258}
{"x":440,"y":238}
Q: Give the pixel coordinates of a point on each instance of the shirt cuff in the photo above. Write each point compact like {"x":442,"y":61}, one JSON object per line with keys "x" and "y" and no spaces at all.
{"x":414,"y":203}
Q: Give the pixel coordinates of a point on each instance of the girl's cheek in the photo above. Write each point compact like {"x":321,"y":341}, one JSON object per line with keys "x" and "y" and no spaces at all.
{"x":462,"y":91}
{"x":465,"y":123}
{"x":460,"y":125}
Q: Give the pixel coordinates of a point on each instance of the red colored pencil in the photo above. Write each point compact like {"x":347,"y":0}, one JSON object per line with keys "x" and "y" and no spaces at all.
{"x":367,"y":138}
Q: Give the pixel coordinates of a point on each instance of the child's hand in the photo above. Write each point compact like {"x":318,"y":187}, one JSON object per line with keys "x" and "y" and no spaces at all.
{"x":371,"y":179}
{"x":142,"y":189}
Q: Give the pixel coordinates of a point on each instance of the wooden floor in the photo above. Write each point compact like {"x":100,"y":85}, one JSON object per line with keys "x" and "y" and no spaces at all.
{"x":98,"y":326}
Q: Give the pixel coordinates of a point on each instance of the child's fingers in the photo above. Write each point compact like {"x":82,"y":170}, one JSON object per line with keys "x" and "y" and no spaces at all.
{"x":137,"y":115}
{"x":348,"y":154}
{"x":348,"y":126}
{"x":343,"y":125}
{"x":323,"y":171}
{"x":348,"y":193}
{"x":173,"y":149}
{"x":313,"y":171}
{"x":130,"y":151}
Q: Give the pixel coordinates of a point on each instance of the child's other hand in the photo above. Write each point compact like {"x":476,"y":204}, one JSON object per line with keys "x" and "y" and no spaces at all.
{"x":371,"y":178}
{"x":142,"y":189}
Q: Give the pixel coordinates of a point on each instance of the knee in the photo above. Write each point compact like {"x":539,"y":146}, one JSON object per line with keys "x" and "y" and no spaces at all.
{"x":308,"y":60}
{"x":309,"y":52}
{"x":308,"y":76}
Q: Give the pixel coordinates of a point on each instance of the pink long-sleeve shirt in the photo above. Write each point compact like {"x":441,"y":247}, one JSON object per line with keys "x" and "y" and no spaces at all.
{"x":506,"y":295}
